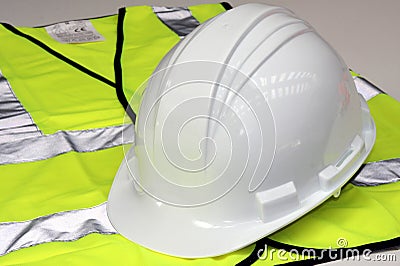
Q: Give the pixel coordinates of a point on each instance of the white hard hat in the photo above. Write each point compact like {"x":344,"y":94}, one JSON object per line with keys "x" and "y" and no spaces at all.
{"x":246,"y":125}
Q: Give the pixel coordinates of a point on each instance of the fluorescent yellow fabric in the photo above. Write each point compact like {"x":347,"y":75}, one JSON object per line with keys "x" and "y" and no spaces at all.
{"x":204,"y":12}
{"x":57,"y":95}
{"x":98,"y":249}
{"x":66,"y":182}
{"x":361,"y":215}
{"x":354,"y":74}
{"x":97,"y":56}
{"x":141,"y":55}
{"x":386,"y":113}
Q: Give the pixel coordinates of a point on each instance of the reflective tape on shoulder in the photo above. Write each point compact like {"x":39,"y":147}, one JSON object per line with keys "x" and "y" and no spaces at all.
{"x":378,"y":173}
{"x":47,"y":146}
{"x":15,"y":121}
{"x":178,"y":19}
{"x":366,"y":88}
{"x":57,"y":227}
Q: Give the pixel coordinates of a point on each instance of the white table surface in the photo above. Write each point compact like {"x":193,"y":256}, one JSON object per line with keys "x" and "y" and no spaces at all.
{"x":365,"y":32}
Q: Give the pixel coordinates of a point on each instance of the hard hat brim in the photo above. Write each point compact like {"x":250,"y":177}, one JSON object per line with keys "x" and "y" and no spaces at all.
{"x":178,"y":232}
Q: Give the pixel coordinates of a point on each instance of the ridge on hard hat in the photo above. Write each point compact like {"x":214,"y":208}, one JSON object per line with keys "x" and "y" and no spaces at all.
{"x":246,"y":125}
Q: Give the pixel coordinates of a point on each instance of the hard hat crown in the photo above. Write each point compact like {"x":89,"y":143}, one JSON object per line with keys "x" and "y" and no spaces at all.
{"x":246,"y":125}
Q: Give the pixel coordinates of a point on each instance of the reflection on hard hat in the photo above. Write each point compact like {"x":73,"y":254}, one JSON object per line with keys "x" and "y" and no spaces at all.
{"x":247,"y":124}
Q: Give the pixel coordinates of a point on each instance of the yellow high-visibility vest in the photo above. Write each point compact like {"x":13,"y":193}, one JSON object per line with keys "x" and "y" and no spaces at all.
{"x":61,"y":125}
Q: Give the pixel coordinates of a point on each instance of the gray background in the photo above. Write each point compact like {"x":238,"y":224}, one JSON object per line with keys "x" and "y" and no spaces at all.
{"x":365,"y":32}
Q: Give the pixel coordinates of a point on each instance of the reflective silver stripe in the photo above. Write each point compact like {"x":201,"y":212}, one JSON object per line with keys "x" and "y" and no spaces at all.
{"x":75,"y":224}
{"x":378,"y":173}
{"x":47,"y":146}
{"x":62,"y":226}
{"x":365,"y":88}
{"x":15,"y":121}
{"x":178,"y":19}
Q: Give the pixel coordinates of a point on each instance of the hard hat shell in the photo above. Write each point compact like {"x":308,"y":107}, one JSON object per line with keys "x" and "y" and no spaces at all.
{"x":246,"y":125}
